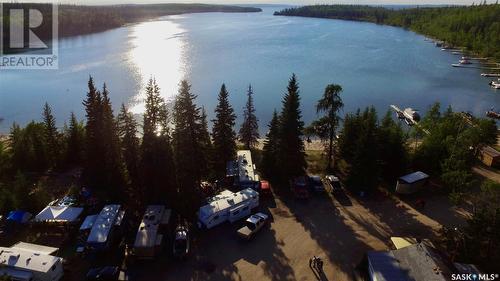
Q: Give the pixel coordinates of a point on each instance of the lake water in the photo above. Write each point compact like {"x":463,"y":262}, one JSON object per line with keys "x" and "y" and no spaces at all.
{"x":376,"y":65}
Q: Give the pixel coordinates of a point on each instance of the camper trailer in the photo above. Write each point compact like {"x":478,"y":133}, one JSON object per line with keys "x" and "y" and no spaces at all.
{"x":242,"y":171}
{"x":228,"y":206}
{"x":30,"y":262}
{"x":149,"y":239}
{"x":102,"y":229}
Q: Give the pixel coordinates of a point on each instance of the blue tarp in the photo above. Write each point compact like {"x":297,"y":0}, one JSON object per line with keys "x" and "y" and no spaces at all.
{"x":19,"y":216}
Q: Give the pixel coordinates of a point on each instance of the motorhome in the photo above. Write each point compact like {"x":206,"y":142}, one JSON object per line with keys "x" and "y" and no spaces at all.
{"x":243,"y":170}
{"x":228,"y":206}
{"x":149,"y":239}
{"x":102,"y":230}
{"x":30,"y":262}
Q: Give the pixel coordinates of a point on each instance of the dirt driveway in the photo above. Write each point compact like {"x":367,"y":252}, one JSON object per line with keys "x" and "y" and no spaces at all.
{"x":340,"y":229}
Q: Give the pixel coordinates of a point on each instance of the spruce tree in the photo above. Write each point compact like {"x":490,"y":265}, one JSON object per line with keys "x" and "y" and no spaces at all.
{"x":223,"y":134}
{"x":189,"y":143}
{"x":94,"y":166}
{"x":249,"y":131}
{"x":207,"y":148}
{"x":127,"y":129}
{"x":291,"y":145}
{"x":157,"y":164}
{"x":270,"y":150}
{"x":51,"y":136}
{"x":75,"y":138}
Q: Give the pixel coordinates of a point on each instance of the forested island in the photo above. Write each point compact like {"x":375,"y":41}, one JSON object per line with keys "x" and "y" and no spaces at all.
{"x":81,"y":19}
{"x":475,"y":27}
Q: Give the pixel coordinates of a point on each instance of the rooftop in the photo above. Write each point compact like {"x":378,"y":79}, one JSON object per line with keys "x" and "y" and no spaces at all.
{"x":27,"y":259}
{"x":414,"y":177}
{"x":227,"y":199}
{"x":103,"y":224}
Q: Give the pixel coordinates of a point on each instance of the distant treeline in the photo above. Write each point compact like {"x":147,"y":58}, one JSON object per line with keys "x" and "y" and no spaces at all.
{"x":78,"y":20}
{"x":475,"y":27}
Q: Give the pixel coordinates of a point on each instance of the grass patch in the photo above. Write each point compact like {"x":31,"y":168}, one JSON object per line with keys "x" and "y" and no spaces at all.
{"x":316,"y":162}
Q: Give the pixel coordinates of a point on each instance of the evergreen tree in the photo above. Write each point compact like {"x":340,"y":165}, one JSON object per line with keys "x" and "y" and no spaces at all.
{"x":223,"y":134}
{"x":127,"y":129}
{"x":249,"y":131}
{"x":51,"y":136}
{"x":207,"y":148}
{"x":94,"y":164}
{"x":326,"y":126}
{"x":270,"y":151}
{"x":291,"y":145}
{"x":392,"y":153}
{"x":189,"y":142}
{"x":157,"y":164}
{"x":75,"y":141}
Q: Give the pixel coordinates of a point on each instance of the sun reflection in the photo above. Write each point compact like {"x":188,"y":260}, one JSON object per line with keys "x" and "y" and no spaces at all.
{"x":157,"y":50}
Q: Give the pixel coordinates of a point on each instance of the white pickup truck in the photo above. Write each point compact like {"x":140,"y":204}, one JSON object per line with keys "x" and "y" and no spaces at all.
{"x":253,"y":224}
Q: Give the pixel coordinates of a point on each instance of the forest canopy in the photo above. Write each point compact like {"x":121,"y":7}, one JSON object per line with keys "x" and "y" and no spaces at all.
{"x":475,"y":27}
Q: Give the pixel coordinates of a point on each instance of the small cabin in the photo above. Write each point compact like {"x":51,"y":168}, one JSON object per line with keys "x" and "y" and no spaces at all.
{"x":149,"y":238}
{"x":411,"y":183}
{"x":490,"y":156}
{"x":228,"y":206}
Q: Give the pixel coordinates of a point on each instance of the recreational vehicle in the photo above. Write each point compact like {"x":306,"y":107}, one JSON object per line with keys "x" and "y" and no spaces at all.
{"x":243,"y":170}
{"x":30,"y":262}
{"x":102,"y":229}
{"x":149,"y":239}
{"x":228,"y":206}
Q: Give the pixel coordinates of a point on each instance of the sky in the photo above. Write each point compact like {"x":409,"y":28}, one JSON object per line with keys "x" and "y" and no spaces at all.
{"x":292,"y":2}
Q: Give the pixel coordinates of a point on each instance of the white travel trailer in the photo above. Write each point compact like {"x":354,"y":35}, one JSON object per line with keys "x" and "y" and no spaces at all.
{"x":149,"y":237}
{"x":102,"y":229}
{"x":30,"y":262}
{"x":228,"y":206}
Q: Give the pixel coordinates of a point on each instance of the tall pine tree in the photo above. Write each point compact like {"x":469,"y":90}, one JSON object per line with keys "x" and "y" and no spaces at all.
{"x":223,"y":134}
{"x":189,"y":143}
{"x":51,"y":136}
{"x":291,"y":145}
{"x":157,"y":163}
{"x":249,"y":131}
{"x":127,"y":129}
{"x":270,"y":150}
{"x":75,"y":138}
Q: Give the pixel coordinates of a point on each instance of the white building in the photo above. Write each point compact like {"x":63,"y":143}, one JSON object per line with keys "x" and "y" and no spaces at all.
{"x":228,"y":206}
{"x":149,"y":238}
{"x":30,"y":262}
{"x":102,"y":229}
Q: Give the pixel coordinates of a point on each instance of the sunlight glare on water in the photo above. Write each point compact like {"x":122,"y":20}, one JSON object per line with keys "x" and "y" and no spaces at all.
{"x":157,"y":50}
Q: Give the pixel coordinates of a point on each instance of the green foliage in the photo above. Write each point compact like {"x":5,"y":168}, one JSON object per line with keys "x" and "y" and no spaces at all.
{"x":449,"y":150}
{"x":52,"y":137}
{"x":130,"y":147}
{"x":190,"y":139}
{"x":291,"y":152}
{"x":474,"y":27}
{"x":249,"y":131}
{"x":75,"y":141}
{"x":223,"y":134}
{"x":157,"y":162}
{"x":392,"y":149}
{"x":326,"y":126}
{"x":479,"y":241}
{"x":28,"y":147}
{"x":270,"y":151}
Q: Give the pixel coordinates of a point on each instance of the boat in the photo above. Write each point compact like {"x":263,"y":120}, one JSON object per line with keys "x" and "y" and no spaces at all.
{"x":490,"y":74}
{"x":464,"y":60}
{"x":495,"y":84}
{"x":493,"y":114}
{"x":456,"y":53}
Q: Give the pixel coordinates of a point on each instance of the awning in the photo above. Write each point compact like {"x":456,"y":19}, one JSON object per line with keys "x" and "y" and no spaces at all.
{"x":59,"y":214}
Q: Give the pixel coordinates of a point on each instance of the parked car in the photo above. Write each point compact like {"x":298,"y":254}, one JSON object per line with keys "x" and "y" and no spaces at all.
{"x":253,"y":224}
{"x":181,"y":242}
{"x":334,"y":182}
{"x":299,"y":187}
{"x":315,"y":184}
{"x":105,"y":273}
{"x":265,"y":188}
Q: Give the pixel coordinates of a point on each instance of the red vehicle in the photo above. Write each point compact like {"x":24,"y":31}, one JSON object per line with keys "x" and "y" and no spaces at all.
{"x":265,"y":188}
{"x":299,"y":187}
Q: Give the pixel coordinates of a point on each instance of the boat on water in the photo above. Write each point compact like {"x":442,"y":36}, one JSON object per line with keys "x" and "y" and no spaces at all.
{"x":490,"y":74}
{"x":493,"y":114}
{"x":495,"y":84}
{"x":409,"y":115}
{"x":464,"y":60}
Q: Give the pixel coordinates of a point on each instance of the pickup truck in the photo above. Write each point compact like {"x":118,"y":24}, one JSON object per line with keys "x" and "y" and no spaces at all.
{"x":253,"y":224}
